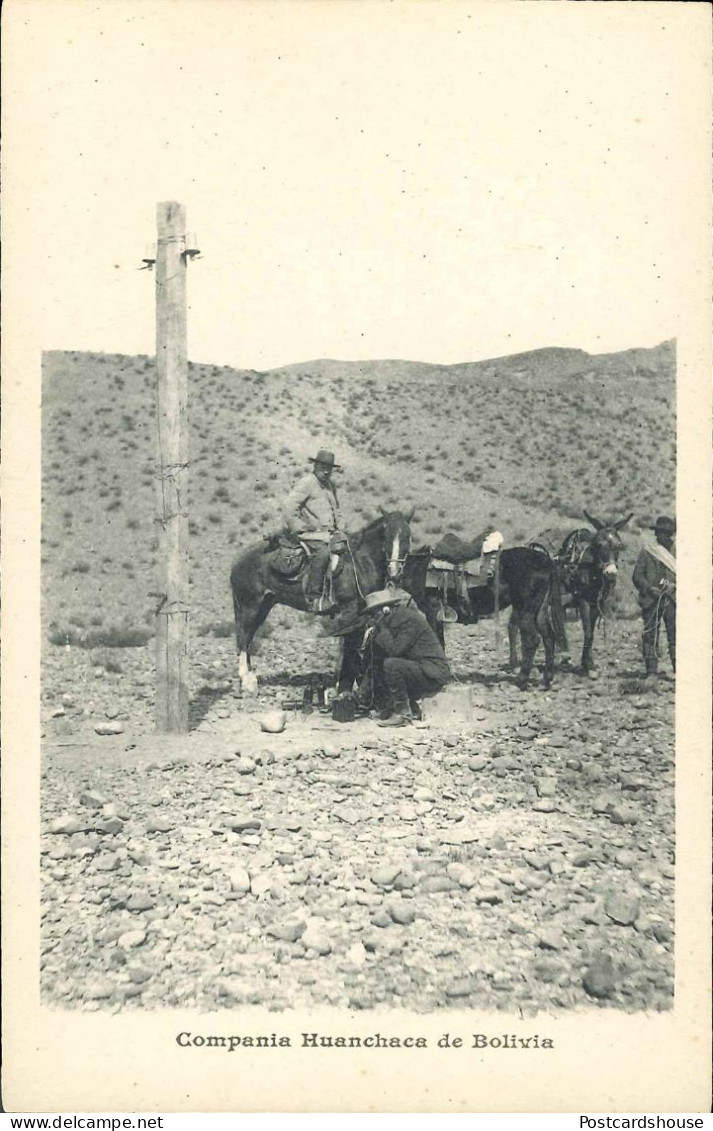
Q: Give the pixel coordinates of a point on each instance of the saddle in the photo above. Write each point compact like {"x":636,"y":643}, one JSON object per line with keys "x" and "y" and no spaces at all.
{"x":288,"y":555}
{"x":457,"y":551}
{"x":455,"y":568}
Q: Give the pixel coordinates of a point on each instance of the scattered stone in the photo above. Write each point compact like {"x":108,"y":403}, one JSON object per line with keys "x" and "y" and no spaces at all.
{"x":240,"y":880}
{"x":551,"y":938}
{"x":626,"y":858}
{"x":477,"y":762}
{"x":662,"y":932}
{"x":356,"y":954}
{"x":599,"y":979}
{"x":67,"y":825}
{"x":315,"y":937}
{"x":107,"y":862}
{"x":622,"y":908}
{"x":159,"y":825}
{"x":111,"y":827}
{"x":140,"y":901}
{"x":349,"y":816}
{"x":460,"y":987}
{"x":385,"y":875}
{"x":623,"y":814}
{"x":547,"y":970}
{"x":546,"y":787}
{"x":139,"y":974}
{"x":109,"y":727}
{"x":438,"y":883}
{"x":487,"y":895}
{"x":462,"y":874}
{"x":131,"y":939}
{"x":287,"y":930}
{"x":242,"y":824}
{"x":380,"y":919}
{"x":92,"y":799}
{"x":402,"y":913}
{"x":98,"y":989}
{"x":544,"y":805}
{"x":603,"y":803}
{"x":263,"y":882}
{"x":404,"y":881}
{"x":648,"y":876}
{"x":245,"y":765}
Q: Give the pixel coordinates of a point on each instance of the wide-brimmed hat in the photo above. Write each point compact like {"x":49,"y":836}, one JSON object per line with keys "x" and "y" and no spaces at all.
{"x":325,"y":457}
{"x":383,"y":597}
{"x":665,"y":525}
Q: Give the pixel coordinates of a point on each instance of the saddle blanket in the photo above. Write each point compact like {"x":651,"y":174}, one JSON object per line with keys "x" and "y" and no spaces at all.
{"x":439,"y":565}
{"x":442,"y":573}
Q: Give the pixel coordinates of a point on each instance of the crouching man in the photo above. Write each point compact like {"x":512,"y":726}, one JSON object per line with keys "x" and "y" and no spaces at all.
{"x":414,"y":662}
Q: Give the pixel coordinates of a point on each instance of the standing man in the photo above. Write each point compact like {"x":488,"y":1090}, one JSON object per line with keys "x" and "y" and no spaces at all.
{"x":311,"y":513}
{"x":655,"y":580}
{"x":414,"y":664}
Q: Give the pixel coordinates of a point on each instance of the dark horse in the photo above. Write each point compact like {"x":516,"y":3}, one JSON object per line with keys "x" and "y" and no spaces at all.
{"x":585,"y":568}
{"x":370,"y":558}
{"x":523,"y":580}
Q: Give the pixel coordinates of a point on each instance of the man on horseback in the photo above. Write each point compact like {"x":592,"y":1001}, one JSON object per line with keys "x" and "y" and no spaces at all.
{"x":311,"y":513}
{"x":655,"y":579}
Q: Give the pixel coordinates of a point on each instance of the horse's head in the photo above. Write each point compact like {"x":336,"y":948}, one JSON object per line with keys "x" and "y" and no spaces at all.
{"x":397,"y":542}
{"x":606,"y":544}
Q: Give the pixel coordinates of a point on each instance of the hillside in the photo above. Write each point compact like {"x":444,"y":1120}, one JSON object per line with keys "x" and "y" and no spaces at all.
{"x":524,"y":441}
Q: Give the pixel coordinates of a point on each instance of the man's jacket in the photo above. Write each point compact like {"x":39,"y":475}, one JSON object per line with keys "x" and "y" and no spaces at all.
{"x":649,"y":572}
{"x":405,"y":632}
{"x":311,"y":508}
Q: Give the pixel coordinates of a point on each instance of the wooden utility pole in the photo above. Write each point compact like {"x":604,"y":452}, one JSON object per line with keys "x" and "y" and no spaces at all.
{"x":172,"y":470}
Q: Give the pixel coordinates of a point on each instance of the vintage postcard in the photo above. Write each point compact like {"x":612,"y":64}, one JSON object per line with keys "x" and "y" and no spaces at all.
{"x":357,"y":426}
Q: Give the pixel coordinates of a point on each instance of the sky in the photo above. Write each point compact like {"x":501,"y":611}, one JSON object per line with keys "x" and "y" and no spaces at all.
{"x":432,"y":181}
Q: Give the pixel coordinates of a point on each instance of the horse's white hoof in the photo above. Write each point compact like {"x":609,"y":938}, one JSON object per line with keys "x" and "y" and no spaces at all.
{"x":249,"y":682}
{"x":593,"y":674}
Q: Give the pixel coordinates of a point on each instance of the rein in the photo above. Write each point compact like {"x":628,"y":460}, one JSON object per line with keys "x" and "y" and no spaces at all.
{"x":389,"y":561}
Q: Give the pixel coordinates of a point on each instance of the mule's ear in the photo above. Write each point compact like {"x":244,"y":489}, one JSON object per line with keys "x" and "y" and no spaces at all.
{"x":623,"y":521}
{"x":595,"y":522}
{"x":411,"y":513}
{"x":381,"y":510}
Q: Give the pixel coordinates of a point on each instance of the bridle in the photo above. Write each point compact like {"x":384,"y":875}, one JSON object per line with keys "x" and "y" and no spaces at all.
{"x":394,"y":562}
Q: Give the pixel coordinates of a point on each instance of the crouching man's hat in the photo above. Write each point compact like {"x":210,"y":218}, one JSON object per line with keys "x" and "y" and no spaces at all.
{"x":664,"y":525}
{"x":383,"y":597}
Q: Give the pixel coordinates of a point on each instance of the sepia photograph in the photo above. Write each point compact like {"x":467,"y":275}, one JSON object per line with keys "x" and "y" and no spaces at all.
{"x":361,"y":371}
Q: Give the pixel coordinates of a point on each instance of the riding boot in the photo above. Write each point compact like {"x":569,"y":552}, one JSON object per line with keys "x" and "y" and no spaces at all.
{"x":400,"y":716}
{"x":316,"y":600}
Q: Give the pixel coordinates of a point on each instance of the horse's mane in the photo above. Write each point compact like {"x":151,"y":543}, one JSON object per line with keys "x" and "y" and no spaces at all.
{"x":358,"y":536}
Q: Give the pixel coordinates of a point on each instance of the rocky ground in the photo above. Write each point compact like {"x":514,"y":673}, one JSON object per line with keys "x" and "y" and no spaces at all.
{"x":519,"y":857}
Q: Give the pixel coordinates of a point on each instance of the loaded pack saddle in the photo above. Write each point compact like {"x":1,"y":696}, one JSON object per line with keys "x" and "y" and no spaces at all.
{"x":457,"y":565}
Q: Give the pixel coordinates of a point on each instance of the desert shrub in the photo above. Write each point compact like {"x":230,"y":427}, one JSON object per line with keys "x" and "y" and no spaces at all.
{"x":220,"y":629}
{"x":104,"y":659}
{"x":81,"y":567}
{"x":132,"y":524}
{"x":114,"y":637}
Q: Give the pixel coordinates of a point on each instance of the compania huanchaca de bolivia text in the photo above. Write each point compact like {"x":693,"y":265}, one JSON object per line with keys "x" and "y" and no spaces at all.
{"x":370,"y":1041}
